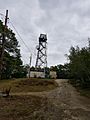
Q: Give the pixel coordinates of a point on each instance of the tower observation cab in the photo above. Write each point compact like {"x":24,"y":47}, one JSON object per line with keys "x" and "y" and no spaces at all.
{"x":43,"y":38}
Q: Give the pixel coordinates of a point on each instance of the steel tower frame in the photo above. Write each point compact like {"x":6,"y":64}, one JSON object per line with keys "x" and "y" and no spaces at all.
{"x":41,"y":61}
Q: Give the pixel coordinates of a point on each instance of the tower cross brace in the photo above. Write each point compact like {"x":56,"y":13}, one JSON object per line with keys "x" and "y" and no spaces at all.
{"x":41,"y":61}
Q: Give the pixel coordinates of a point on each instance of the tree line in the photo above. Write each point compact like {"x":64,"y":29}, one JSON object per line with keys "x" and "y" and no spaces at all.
{"x":77,"y":70}
{"x":79,"y":65}
{"x":12,"y":65}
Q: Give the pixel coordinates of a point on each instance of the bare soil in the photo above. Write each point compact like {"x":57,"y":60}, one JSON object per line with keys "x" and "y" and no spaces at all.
{"x":61,"y":103}
{"x":65,"y":103}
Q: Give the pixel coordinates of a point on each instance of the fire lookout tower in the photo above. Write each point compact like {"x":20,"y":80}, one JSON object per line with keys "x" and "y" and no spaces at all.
{"x":41,"y":61}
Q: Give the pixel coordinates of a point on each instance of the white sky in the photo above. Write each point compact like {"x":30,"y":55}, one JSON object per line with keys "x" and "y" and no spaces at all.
{"x":66,"y":23}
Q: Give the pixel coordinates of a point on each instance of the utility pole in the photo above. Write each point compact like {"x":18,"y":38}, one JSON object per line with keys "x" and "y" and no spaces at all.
{"x":30,"y":65}
{"x":3,"y":44}
{"x":89,"y":42}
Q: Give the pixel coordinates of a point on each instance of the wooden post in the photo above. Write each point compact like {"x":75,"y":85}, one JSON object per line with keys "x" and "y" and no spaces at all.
{"x":3,"y":44}
{"x":30,"y":65}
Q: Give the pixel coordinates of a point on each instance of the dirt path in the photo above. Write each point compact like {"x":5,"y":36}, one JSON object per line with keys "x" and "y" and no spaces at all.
{"x":63,"y":103}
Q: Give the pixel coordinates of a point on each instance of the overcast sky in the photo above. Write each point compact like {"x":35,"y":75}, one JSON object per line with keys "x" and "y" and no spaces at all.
{"x":66,"y":23}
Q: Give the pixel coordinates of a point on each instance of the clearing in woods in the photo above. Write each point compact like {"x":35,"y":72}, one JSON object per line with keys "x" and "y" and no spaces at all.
{"x":59,"y":103}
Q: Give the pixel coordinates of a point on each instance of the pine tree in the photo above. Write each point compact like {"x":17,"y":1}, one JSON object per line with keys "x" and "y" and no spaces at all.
{"x":12,"y":63}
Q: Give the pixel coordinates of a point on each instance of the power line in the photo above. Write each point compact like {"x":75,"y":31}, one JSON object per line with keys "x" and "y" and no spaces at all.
{"x":18,"y":34}
{"x":2,"y":14}
{"x":21,"y":38}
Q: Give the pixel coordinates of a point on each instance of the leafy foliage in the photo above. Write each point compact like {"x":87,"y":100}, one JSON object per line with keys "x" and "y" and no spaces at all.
{"x":12,"y":63}
{"x":80,"y":65}
{"x":78,"y":68}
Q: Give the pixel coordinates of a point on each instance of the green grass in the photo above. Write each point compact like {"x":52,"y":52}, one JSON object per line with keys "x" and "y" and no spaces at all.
{"x":84,"y":92}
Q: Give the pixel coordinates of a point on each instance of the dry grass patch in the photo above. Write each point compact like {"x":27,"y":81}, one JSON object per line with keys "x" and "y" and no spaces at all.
{"x":28,"y":85}
{"x":19,"y":107}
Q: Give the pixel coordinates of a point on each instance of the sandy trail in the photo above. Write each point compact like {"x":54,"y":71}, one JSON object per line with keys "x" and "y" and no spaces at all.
{"x":62,"y":103}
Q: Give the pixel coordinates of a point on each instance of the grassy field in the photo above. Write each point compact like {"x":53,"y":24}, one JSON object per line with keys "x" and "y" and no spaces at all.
{"x":20,"y":107}
{"x":28,"y":85}
{"x":23,"y":107}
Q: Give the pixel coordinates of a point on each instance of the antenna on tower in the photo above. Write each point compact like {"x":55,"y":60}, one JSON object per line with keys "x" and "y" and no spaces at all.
{"x":41,"y":60}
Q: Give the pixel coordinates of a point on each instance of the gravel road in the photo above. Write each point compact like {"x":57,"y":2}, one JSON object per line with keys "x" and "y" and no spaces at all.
{"x":63,"y":103}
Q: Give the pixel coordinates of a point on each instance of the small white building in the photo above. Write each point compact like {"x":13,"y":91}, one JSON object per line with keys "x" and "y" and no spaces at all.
{"x":35,"y":74}
{"x":53,"y":74}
